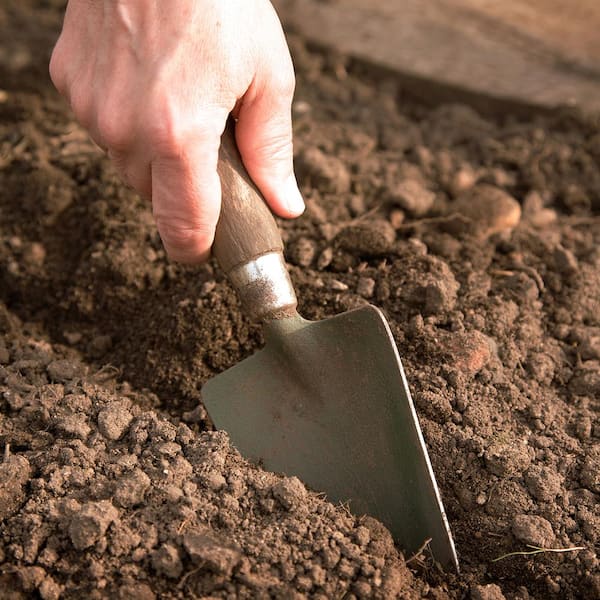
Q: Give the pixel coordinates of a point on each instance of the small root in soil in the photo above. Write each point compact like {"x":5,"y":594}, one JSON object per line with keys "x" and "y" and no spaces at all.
{"x":536,"y":550}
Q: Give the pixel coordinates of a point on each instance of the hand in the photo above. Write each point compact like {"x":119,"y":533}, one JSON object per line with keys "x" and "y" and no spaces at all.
{"x":154,"y":83}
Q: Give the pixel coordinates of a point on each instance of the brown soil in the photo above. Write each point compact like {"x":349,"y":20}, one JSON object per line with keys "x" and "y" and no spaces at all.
{"x":477,"y":236}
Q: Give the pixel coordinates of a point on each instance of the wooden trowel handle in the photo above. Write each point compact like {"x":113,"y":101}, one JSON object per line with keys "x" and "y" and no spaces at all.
{"x":246,"y":227}
{"x":247,"y":242}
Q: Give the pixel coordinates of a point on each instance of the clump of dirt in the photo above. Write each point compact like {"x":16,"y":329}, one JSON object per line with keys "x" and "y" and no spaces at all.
{"x":478,"y":236}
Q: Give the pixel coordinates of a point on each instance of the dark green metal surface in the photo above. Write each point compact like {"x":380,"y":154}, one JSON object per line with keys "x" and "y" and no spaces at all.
{"x":328,"y":401}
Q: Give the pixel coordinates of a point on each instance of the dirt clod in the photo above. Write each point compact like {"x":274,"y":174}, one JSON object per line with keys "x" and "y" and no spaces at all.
{"x":290,"y":492}
{"x":322,"y":170}
{"x":131,"y":488}
{"x":533,"y":530}
{"x":166,"y":561}
{"x":491,"y":591}
{"x":114,"y":420}
{"x":413,"y":197}
{"x":367,"y":239}
{"x":14,"y":474}
{"x":90,"y":522}
{"x":64,"y":369}
{"x":208,"y":552}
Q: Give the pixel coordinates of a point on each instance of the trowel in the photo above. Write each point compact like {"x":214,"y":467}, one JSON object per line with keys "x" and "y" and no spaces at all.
{"x":326,"y":401}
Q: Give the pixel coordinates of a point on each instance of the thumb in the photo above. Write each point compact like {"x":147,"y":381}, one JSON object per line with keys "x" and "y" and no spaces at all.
{"x":264,"y":137}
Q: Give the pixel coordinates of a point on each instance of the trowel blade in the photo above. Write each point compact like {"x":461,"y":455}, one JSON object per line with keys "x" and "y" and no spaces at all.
{"x":328,"y":401}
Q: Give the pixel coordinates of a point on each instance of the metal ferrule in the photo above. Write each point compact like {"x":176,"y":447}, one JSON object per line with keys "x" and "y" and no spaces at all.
{"x":264,"y":287}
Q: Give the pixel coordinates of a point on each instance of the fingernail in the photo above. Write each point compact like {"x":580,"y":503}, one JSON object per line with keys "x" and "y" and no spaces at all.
{"x":293,"y":197}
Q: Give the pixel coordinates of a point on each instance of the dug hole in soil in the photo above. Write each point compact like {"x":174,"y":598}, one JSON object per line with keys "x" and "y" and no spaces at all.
{"x":478,"y":237}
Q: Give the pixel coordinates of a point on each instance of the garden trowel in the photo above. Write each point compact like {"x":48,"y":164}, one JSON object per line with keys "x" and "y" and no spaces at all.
{"x":326,"y":401}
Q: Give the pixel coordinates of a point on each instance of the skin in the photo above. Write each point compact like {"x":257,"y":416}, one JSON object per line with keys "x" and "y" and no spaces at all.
{"x":154,"y":82}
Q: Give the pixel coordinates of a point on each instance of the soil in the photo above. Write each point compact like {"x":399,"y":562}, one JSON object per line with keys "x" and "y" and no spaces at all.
{"x":477,"y":235}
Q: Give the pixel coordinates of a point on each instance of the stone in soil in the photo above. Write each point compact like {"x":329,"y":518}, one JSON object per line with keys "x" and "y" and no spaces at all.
{"x":484,"y":210}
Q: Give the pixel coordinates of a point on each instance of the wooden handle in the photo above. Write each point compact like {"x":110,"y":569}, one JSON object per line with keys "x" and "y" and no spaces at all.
{"x":246,"y":228}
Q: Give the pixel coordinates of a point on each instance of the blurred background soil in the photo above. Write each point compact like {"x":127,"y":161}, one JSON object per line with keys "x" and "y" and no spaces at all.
{"x":476,"y":234}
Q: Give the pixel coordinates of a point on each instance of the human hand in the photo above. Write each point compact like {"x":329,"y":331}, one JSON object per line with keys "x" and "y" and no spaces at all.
{"x":154,"y":82}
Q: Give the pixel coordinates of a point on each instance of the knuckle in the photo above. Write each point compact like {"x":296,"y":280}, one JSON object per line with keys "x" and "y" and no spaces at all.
{"x":114,"y":126}
{"x":164,"y":130}
{"x":184,"y":241}
{"x":170,"y":129}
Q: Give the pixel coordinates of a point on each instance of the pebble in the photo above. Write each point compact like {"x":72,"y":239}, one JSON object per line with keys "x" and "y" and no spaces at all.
{"x":438,"y":296}
{"x":470,"y":351}
{"x":535,"y":213}
{"x":396,"y":218}
{"x":464,"y":179}
{"x":486,"y":210}
{"x":533,"y":530}
{"x":301,"y":107}
{"x":338,"y":286}
{"x":15,"y":242}
{"x":301,"y":252}
{"x":413,"y":197}
{"x":325,"y":258}
{"x":89,"y":524}
{"x":207,"y":287}
{"x":365,"y":287}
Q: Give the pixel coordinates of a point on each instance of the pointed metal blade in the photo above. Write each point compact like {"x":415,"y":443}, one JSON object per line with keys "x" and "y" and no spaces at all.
{"x":328,"y":401}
